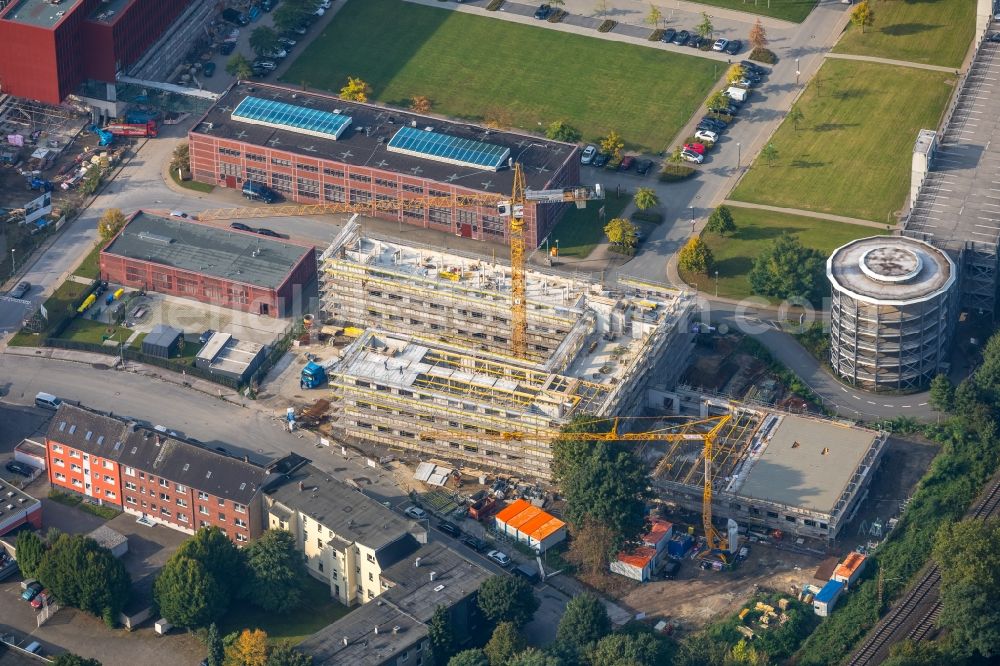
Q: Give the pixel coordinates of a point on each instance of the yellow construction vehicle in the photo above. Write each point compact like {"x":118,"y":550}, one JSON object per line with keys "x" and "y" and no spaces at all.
{"x":512,"y":209}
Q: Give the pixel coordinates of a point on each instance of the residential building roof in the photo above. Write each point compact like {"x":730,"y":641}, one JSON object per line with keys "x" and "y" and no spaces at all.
{"x":40,"y":13}
{"x":107,"y":537}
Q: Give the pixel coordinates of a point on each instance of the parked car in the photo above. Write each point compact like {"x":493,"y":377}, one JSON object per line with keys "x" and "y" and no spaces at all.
{"x":670,"y":570}
{"x":695,"y":148}
{"x":326,"y":4}
{"x":18,"y":467}
{"x":733,"y":47}
{"x":587,"y":156}
{"x":20,"y":290}
{"x":255,"y":191}
{"x":239,"y":226}
{"x":206,"y":336}
{"x":749,"y":82}
{"x":277,"y":53}
{"x":268,"y":65}
{"x":720,"y":44}
{"x":706,"y":135}
{"x":287,"y":41}
{"x":642,"y":167}
{"x":626,"y":163}
{"x":319,"y":11}
{"x":235,"y":17}
{"x":208,"y":69}
{"x":264,"y":231}
{"x":601,"y":159}
{"x":299,"y":30}
{"x":415,"y":512}
{"x":682,"y":38}
{"x":499,"y":557}
{"x":31,"y":590}
{"x":689,"y":156}
{"x":178,"y":213}
{"x":450,"y":529}
{"x":528,"y":572}
{"x":995,"y":37}
{"x":227,"y":48}
{"x":475,"y":543}
{"x":42,"y":598}
{"x":668,"y":35}
{"x":751,"y":66}
{"x":695,"y":41}
{"x":267,"y":5}
{"x":543,"y":12}
{"x":715,"y":122}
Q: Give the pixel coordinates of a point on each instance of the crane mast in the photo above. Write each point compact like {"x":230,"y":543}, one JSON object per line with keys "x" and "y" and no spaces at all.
{"x":518,"y":289}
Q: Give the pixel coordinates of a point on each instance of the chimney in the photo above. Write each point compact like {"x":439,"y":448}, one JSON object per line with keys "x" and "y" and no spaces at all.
{"x":376,"y":629}
{"x":433,"y":575}
{"x":302,"y":486}
{"x":416,"y":562}
{"x":396,"y":629}
{"x":345,"y":641}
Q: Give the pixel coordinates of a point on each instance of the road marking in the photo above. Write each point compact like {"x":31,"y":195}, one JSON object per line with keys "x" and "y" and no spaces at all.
{"x":906,"y":406}
{"x":922,"y":404}
{"x":887,"y":405}
{"x":843,"y":389}
{"x":856,"y":397}
{"x":870,"y":402}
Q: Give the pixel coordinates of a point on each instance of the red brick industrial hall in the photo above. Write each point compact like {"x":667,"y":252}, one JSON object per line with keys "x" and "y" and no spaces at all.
{"x":315,"y":148}
{"x":49,"y":47}
{"x":235,"y":269}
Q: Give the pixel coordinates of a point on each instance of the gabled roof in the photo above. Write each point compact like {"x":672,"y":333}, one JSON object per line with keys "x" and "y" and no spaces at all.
{"x":528,"y":519}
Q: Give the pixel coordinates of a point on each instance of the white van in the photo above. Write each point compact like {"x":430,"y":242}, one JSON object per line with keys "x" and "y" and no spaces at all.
{"x":737,"y":94}
{"x":47,"y":401}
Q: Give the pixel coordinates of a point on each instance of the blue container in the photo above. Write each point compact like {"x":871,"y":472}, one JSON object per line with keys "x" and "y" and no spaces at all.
{"x":679,"y":545}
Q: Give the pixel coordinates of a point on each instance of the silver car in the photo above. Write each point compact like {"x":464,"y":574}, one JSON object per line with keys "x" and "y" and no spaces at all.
{"x":20,"y":290}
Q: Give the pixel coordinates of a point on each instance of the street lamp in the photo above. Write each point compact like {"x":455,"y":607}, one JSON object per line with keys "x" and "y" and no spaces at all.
{"x":692,"y":218}
{"x":797,"y":72}
{"x":716,"y":284}
{"x":739,"y":156}
{"x":13,"y":267}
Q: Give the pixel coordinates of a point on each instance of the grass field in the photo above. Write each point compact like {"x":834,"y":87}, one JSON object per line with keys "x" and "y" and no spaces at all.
{"x":851,"y":153}
{"x":935,"y":32}
{"x":581,"y":229}
{"x":789,"y":10}
{"x":317,"y":611}
{"x":755,"y":230}
{"x":191,"y":184}
{"x":94,"y":332}
{"x":518,"y":76}
{"x":90,"y":267}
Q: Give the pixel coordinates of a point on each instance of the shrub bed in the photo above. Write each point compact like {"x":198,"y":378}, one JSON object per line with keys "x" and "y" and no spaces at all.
{"x":557,"y":15}
{"x":656,"y":35}
{"x":674,"y":172}
{"x":494,"y":5}
{"x":607,"y":25}
{"x":647,"y":216}
{"x":763,"y":55}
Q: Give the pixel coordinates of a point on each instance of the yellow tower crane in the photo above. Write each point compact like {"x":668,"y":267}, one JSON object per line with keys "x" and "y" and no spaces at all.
{"x":717,"y":543}
{"x":513,"y":209}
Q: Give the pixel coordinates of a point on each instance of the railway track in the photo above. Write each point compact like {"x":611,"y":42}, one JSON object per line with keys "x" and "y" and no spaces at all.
{"x":915,"y":617}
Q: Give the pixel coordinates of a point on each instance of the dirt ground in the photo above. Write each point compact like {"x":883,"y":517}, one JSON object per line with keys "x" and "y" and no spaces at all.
{"x":697,"y":597}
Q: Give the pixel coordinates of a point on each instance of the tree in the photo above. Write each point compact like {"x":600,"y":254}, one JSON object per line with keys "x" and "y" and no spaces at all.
{"x":622,"y":233}
{"x":504,"y":644}
{"x":283,"y":654}
{"x":796,"y":116}
{"x":862,"y":15}
{"x":290,"y":15}
{"x":676,"y":156}
{"x":735,"y":73}
{"x":641,"y":649}
{"x":441,"y":635}
{"x":584,"y":622}
{"x":705,"y":29}
{"x":743,"y":654}
{"x":68,"y":658}
{"x":275,"y":572}
{"x":695,"y":256}
{"x":420,"y":104}
{"x":187,"y":595}
{"x":180,"y":160}
{"x":593,"y":544}
{"x":239,"y":66}
{"x":507,"y":599}
{"x":473,"y":657}
{"x":30,"y":552}
{"x":213,"y":642}
{"x":654,"y":17}
{"x":721,"y":221}
{"x":534,"y":657}
{"x":613,"y":144}
{"x":924,"y":653}
{"x":645,"y":198}
{"x":264,"y":40}
{"x":111,"y":222}
{"x":942,"y":398}
{"x":249,"y":649}
{"x":769,"y":153}
{"x":356,"y":90}
{"x":716,"y":101}
{"x":85,"y":575}
{"x":788,"y":269}
{"x":214,"y":550}
{"x":559,"y":130}
{"x":968,"y":553}
{"x":758,"y":35}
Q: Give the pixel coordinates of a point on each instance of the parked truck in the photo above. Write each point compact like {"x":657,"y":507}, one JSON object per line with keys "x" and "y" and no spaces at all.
{"x":145,"y":130}
{"x":313,"y":376}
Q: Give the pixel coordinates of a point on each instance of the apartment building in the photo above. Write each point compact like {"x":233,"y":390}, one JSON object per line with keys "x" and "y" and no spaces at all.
{"x":160,"y":478}
{"x":347,"y":538}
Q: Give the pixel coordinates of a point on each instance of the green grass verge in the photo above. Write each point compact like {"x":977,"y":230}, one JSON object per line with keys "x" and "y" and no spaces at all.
{"x":515,"y":75}
{"x":317,"y":611}
{"x":94,"y":332}
{"x":191,"y":184}
{"x":90,"y":268}
{"x":933,"y":33}
{"x":755,"y":230}
{"x":67,"y":499}
{"x":581,"y":229}
{"x":851,"y":153}
{"x":789,"y":10}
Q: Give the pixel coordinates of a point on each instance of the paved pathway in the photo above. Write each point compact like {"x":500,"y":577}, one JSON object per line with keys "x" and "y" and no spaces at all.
{"x":889,"y":61}
{"x":806,"y":213}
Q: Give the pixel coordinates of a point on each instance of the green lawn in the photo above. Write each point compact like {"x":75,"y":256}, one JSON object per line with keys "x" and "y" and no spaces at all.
{"x":317,"y":611}
{"x":91,"y":265}
{"x":94,"y":332}
{"x":789,"y":10}
{"x":755,"y":230}
{"x":519,"y":76}
{"x":935,"y":32}
{"x":191,"y":184}
{"x":851,"y":153}
{"x":581,"y":229}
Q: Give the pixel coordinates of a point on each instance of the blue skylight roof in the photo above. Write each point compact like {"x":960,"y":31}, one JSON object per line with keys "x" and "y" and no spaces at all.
{"x":451,"y":149}
{"x":291,"y":117}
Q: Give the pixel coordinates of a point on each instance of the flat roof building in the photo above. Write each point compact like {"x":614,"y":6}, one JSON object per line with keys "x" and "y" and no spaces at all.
{"x":229,"y":357}
{"x":317,"y":148}
{"x":235,"y":269}
{"x":17,"y":508}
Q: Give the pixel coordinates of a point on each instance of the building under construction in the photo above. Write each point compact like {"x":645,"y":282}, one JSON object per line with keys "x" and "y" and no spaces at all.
{"x":773,"y":471}
{"x":433,"y":372}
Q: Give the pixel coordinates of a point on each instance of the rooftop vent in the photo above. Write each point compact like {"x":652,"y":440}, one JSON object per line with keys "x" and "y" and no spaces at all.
{"x":154,"y":238}
{"x":72,"y":429}
{"x":416,"y":562}
{"x":439,"y":588}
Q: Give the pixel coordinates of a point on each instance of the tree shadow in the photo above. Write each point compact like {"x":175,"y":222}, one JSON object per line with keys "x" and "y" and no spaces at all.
{"x":733,"y":266}
{"x":759,"y":233}
{"x":829,"y":127}
{"x":900,"y":29}
{"x":804,"y":164}
{"x":850,"y":93}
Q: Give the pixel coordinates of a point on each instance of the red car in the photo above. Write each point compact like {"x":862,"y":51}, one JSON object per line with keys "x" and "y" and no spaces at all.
{"x":41,"y":598}
{"x":695,"y":148}
{"x":626,"y":163}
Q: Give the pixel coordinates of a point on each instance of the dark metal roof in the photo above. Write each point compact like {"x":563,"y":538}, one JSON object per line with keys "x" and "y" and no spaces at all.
{"x":365,"y":141}
{"x":162,"y":336}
